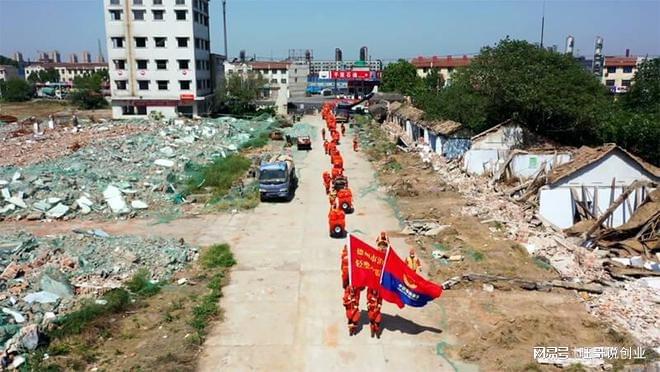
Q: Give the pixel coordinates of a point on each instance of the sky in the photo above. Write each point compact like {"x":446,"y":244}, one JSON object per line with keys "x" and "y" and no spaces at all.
{"x":391,"y":29}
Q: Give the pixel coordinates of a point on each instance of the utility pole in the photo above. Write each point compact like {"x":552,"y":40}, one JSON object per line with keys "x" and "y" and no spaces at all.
{"x":224,"y":24}
{"x":542,"y":24}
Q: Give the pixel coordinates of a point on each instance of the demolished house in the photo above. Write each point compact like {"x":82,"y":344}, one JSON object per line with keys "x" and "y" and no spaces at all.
{"x":492,"y":152}
{"x":445,"y":137}
{"x":605,"y":181}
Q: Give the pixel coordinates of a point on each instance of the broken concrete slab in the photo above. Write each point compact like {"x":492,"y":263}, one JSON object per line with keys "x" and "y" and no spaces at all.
{"x":57,"y":211}
{"x":164,"y":163}
{"x":5,"y":193}
{"x":139,"y":204}
{"x":167,"y":151}
{"x":18,"y":317}
{"x":115,"y":201}
{"x":83,"y":200}
{"x":59,"y":287}
{"x":42,"y":297}
{"x":17,"y":202}
{"x":7,"y":208}
{"x":42,"y":205}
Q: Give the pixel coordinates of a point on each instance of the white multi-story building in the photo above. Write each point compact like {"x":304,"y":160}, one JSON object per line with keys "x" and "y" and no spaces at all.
{"x":67,"y":71}
{"x":619,"y":72}
{"x":444,"y":65}
{"x":289,"y":77}
{"x":159,"y":56}
{"x":317,"y":66}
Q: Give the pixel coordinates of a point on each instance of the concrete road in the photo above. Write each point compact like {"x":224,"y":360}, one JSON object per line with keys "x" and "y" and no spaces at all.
{"x":283,"y":308}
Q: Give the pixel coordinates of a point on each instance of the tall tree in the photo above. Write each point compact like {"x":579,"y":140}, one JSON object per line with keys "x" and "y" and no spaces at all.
{"x":239,"y":93}
{"x":644,"y":94}
{"x":87,"y":92}
{"x":15,"y":90}
{"x":400,"y":77}
{"x":44,"y":76}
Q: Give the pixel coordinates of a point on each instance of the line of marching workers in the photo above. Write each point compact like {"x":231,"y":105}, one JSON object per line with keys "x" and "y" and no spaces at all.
{"x":341,"y":203}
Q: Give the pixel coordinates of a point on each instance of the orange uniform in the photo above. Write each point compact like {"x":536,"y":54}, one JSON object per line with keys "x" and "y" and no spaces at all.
{"x":332,"y":197}
{"x":335,"y":136}
{"x":327,"y":178}
{"x":332,"y":148}
{"x":413,"y":262}
{"x":336,"y":172}
{"x":374,"y":304}
{"x":344,"y":267}
{"x":351,"y":302}
{"x":382,"y":241}
{"x":337,"y":222}
{"x":337,"y":160}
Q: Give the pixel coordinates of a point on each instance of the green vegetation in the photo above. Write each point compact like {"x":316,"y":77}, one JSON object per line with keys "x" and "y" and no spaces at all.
{"x":16,"y":90}
{"x":475,"y":255}
{"x":87,"y":94}
{"x":218,"y":176}
{"x":141,"y":284}
{"x":44,"y":76}
{"x":8,"y":61}
{"x":238,"y":94}
{"x":260,"y":140}
{"x":217,"y":256}
{"x":548,"y":92}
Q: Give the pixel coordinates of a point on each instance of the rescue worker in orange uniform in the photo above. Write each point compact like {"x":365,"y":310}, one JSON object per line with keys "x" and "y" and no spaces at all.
{"x":326,"y":144}
{"x":356,"y":143}
{"x":337,"y":222}
{"x":337,"y":172}
{"x":413,"y":262}
{"x":344,"y":267}
{"x":335,"y":136}
{"x":374,"y":304}
{"x":332,"y":148}
{"x":383,"y":241}
{"x":352,"y":306}
{"x":332,"y":197}
{"x":327,"y":178}
{"x":336,"y":160}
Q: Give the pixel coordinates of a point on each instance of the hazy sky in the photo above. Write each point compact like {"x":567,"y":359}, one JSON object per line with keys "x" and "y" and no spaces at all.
{"x":390,"y":28}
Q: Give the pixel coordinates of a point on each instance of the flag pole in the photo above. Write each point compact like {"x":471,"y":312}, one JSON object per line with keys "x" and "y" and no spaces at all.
{"x":350,"y":261}
{"x":389,"y":246}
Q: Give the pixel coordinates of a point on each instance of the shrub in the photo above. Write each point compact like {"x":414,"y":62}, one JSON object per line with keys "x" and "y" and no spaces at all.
{"x":217,"y":256}
{"x":141,"y":284}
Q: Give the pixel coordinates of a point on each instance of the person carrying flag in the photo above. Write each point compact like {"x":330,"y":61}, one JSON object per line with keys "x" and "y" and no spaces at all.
{"x":344,"y":267}
{"x":374,"y":304}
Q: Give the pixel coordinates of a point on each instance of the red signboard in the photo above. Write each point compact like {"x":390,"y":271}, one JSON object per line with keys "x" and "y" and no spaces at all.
{"x":187,"y":97}
{"x":351,"y":75}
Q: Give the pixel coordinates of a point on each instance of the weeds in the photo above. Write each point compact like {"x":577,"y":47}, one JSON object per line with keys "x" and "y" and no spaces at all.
{"x":219,"y":175}
{"x":475,"y":255}
{"x":73,"y":323}
{"x":141,"y":284}
{"x":217,"y":256}
{"x":256,"y":142}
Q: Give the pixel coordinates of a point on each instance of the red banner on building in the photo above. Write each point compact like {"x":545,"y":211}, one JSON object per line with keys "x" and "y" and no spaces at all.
{"x":350,"y":75}
{"x":365,"y":263}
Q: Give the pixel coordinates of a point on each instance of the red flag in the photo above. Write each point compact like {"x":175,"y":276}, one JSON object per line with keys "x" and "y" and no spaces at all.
{"x":365,"y":263}
{"x":403,"y":286}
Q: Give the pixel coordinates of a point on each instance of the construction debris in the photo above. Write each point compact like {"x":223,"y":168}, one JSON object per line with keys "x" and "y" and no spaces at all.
{"x":423,"y":227}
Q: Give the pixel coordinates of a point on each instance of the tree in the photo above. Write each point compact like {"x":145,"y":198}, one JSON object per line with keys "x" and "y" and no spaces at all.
{"x":644,"y":94}
{"x":44,"y":76}
{"x":8,"y":61}
{"x":15,"y":90}
{"x":87,"y":90}
{"x":401,"y":77}
{"x":239,"y":93}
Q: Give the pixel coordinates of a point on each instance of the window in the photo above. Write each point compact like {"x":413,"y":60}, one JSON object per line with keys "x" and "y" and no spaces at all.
{"x":115,"y":15}
{"x":120,"y":84}
{"x":273,"y":81}
{"x":162,"y":84}
{"x":627,"y":69}
{"x":611,"y":70}
{"x":128,"y":110}
{"x":206,"y":7}
{"x":625,"y":83}
{"x":158,"y":15}
{"x":283,"y":81}
{"x":137,"y":2}
{"x":114,"y":2}
{"x":199,"y":84}
{"x":180,"y":15}
{"x":161,"y":64}
{"x":282,"y":72}
{"x":120,"y":64}
{"x":140,"y":42}
{"x":141,"y":64}
{"x":182,"y":42}
{"x":196,"y":17}
{"x":206,"y":20}
{"x":138,"y":14}
{"x":158,"y":2}
{"x":141,"y":110}
{"x":609,"y":83}
{"x":117,"y":42}
{"x":184,"y":84}
{"x":180,"y":2}
{"x":183,"y":64}
{"x":143,"y":84}
{"x":160,"y":42}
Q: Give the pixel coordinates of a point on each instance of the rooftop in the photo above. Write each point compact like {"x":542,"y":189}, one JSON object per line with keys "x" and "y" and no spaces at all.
{"x":620,"y":61}
{"x":440,"y":62}
{"x":69,"y":65}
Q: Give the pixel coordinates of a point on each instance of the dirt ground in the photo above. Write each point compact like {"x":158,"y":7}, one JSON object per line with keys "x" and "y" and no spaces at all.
{"x":41,"y":108}
{"x":495,"y":327}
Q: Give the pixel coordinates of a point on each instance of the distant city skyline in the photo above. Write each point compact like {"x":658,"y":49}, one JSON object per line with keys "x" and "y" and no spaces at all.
{"x":391,"y":29}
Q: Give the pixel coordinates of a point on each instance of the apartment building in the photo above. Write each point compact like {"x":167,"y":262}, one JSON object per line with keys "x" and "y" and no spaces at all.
{"x":8,"y":72}
{"x":445,"y":65}
{"x":159,"y":57}
{"x":68,"y":71}
{"x":289,"y":77}
{"x":315,"y":67}
{"x":618,"y":72}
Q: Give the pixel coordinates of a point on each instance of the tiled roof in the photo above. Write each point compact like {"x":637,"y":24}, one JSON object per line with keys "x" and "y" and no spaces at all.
{"x":441,"y":62}
{"x":620,"y":61}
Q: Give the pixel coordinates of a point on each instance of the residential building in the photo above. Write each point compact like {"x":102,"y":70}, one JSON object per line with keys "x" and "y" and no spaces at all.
{"x":280,"y":76}
{"x":86,"y":57}
{"x":159,"y":57}
{"x":68,"y":71}
{"x":445,"y":65}
{"x":18,"y":57}
{"x":316,"y":67}
{"x":618,"y":72}
{"x":55,"y":56}
{"x":8,"y":72}
{"x":218,"y":71}
{"x":73,"y":58}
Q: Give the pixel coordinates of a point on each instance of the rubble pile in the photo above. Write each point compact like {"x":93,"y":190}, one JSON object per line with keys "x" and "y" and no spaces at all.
{"x":627,"y":305}
{"x":121,"y":176}
{"x":43,"y":278}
